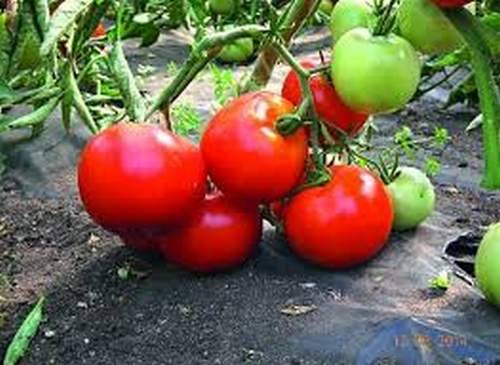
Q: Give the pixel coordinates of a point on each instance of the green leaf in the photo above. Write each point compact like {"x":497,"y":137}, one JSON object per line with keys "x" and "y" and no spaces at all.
{"x":89,"y":22}
{"x":21,"y":341}
{"x":186,"y":120}
{"x":38,"y":116}
{"x":490,"y":24}
{"x":5,"y":44}
{"x":442,"y":281}
{"x":6,"y":92}
{"x":64,"y":17}
{"x":134,"y":102}
{"x":67,"y":101}
{"x":42,"y":16}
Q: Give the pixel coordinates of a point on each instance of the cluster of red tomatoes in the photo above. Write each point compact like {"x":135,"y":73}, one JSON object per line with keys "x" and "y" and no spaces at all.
{"x":200,"y":207}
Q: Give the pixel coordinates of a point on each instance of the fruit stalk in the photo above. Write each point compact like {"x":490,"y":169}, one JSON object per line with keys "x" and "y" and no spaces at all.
{"x":290,"y":22}
{"x":489,"y":93}
{"x":202,"y":53}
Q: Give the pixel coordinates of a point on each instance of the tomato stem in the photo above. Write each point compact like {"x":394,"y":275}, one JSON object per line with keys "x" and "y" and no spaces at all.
{"x":290,"y":22}
{"x":307,"y":98}
{"x":202,"y":53}
{"x":489,"y":93}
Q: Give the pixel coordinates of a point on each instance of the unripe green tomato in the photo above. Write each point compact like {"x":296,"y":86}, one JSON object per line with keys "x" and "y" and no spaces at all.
{"x":326,"y":7}
{"x":487,"y":266}
{"x":374,"y":74}
{"x":427,"y":28}
{"x":413,"y":198}
{"x":240,"y":50}
{"x":347,"y":15}
{"x":222,"y":7}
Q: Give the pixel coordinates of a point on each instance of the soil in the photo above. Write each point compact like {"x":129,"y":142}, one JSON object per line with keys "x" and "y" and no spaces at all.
{"x":161,"y":315}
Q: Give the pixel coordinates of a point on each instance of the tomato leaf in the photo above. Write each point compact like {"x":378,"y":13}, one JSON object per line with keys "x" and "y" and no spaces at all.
{"x":38,"y":116}
{"x":490,"y":25}
{"x":89,"y":22}
{"x":64,"y":17}
{"x":5,"y":44}
{"x":67,"y":100}
{"x":150,"y":35}
{"x":42,"y":15}
{"x":24,"y":334}
{"x":134,"y":102}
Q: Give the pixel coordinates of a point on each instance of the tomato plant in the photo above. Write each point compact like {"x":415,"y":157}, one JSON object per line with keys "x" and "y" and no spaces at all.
{"x":374,"y":74}
{"x":246,"y":157}
{"x":451,"y":4}
{"x":326,"y":7}
{"x":413,"y":198}
{"x":347,"y":15}
{"x":487,"y":265}
{"x":140,"y":177}
{"x":343,"y":223}
{"x":220,"y":234}
{"x":240,"y":50}
{"x":427,"y":28}
{"x":328,"y":104}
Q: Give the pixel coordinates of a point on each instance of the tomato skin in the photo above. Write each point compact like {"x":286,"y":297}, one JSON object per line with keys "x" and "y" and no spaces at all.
{"x":427,"y":28}
{"x":326,"y":7}
{"x":347,"y":15}
{"x":413,"y":198}
{"x":240,"y":50}
{"x":487,"y":265}
{"x":451,"y":4}
{"x":343,"y":223}
{"x":219,"y":235}
{"x":328,"y":104}
{"x":140,"y":177}
{"x":246,"y":157}
{"x":374,"y":74}
{"x":100,"y":31}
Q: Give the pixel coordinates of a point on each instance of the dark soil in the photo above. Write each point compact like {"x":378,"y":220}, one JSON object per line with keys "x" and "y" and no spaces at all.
{"x":161,"y":315}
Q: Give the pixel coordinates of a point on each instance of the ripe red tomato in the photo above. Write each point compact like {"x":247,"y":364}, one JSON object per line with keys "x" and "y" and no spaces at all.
{"x":220,"y":234}
{"x":137,"y":177}
{"x":100,"y":31}
{"x":450,"y":4}
{"x":329,"y":106}
{"x":245,"y":155}
{"x":343,"y":223}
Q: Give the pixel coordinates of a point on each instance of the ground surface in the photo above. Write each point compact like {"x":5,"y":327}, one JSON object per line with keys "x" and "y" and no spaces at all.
{"x":49,"y":246}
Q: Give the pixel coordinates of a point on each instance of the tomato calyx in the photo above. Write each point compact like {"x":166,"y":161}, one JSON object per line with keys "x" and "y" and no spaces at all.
{"x":288,"y":124}
{"x":386,"y":17}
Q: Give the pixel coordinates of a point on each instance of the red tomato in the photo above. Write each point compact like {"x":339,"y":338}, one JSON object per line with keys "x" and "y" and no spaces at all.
{"x":219,"y":235}
{"x":330,"y":108}
{"x":100,"y":31}
{"x":139,"y":177}
{"x":451,"y":3}
{"x":141,"y":242}
{"x":245,"y":155}
{"x":342,"y":223}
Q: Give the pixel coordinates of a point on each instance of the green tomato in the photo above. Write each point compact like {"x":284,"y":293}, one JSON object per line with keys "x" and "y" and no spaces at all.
{"x":487,"y":266}
{"x":374,"y":74}
{"x":427,"y":28}
{"x":349,"y":14}
{"x":413,"y":198}
{"x":222,"y":7}
{"x":326,"y":6}
{"x":240,"y":50}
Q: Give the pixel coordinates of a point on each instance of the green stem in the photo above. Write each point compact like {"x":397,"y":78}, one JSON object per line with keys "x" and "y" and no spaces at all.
{"x":202,"y":53}
{"x":308,"y":99}
{"x":489,"y":93}
{"x":290,"y":23}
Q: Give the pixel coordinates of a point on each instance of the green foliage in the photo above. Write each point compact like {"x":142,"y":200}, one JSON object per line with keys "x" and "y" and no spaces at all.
{"x":20,"y":342}
{"x":225,"y":84}
{"x":186,"y":120}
